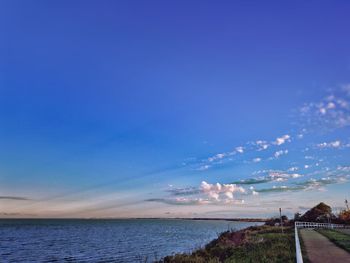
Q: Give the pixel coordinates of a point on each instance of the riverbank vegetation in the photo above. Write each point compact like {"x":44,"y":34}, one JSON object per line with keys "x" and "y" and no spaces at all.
{"x":253,"y":244}
{"x":265,"y":243}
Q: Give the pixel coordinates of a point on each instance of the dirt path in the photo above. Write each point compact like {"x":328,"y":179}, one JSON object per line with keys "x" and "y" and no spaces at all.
{"x":321,"y":250}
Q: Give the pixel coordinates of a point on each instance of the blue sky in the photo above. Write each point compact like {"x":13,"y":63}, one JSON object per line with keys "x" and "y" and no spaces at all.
{"x":140,"y":108}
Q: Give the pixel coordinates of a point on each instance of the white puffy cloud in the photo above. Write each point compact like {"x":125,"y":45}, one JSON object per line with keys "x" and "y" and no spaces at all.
{"x":283,"y":139}
{"x":334,"y":144}
{"x":221,"y":192}
{"x":330,"y":113}
{"x":262,"y":145}
{"x":219,"y":188}
{"x":292,"y":169}
{"x":256,"y":160}
{"x":279,"y":153}
{"x":220,"y":155}
{"x":214,"y":195}
{"x":205,"y":186}
{"x":229,"y":195}
{"x":240,"y":149}
{"x":323,"y":108}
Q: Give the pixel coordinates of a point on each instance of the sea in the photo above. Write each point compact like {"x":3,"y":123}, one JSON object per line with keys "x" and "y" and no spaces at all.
{"x":105,"y":240}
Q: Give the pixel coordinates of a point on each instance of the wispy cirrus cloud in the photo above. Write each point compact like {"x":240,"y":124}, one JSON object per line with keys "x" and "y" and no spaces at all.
{"x":317,"y":183}
{"x":304,"y":166}
{"x":194,"y":201}
{"x":337,"y":144}
{"x":282,"y":176}
{"x":217,"y":157}
{"x":251,"y":181}
{"x":183,"y":191}
{"x":282,"y":188}
{"x":18,"y":198}
{"x":262,"y":145}
{"x":272,"y":176}
{"x":203,"y":167}
{"x":240,"y":149}
{"x":178,"y":201}
{"x":293,"y":169}
{"x":250,"y":147}
{"x":280,"y":153}
{"x":311,"y":184}
{"x":330,"y":113}
{"x":345,"y":169}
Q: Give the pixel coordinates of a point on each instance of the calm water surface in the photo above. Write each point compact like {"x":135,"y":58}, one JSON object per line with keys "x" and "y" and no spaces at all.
{"x":131,"y":240}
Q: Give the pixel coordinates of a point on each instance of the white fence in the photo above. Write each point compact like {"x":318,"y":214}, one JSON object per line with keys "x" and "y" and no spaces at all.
{"x":317,"y":225}
{"x":298,"y":254}
{"x":310,"y":225}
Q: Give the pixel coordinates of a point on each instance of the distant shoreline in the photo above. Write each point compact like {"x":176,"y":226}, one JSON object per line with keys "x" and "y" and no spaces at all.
{"x":227,"y":219}
{"x":149,"y":218}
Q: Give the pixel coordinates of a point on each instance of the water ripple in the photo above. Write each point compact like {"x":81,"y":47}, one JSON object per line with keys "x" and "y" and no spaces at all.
{"x":104,"y":240}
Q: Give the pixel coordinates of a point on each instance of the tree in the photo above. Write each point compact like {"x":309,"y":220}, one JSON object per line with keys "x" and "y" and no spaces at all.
{"x":297,"y":216}
{"x":344,"y":216}
{"x":319,"y":213}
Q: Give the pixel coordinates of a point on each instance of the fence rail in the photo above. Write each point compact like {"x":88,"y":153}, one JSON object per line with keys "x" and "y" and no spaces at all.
{"x":317,"y":225}
{"x":298,"y":254}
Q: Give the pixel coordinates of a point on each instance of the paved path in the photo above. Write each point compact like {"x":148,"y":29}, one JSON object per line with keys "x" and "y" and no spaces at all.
{"x":320,"y":250}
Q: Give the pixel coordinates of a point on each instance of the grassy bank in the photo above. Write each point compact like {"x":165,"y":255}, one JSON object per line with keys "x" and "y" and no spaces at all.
{"x":253,"y":244}
{"x":340,"y":239}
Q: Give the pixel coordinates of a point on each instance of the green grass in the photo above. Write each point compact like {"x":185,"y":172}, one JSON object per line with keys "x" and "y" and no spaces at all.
{"x":273,"y":247}
{"x":255,"y":244}
{"x":340,"y":239}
